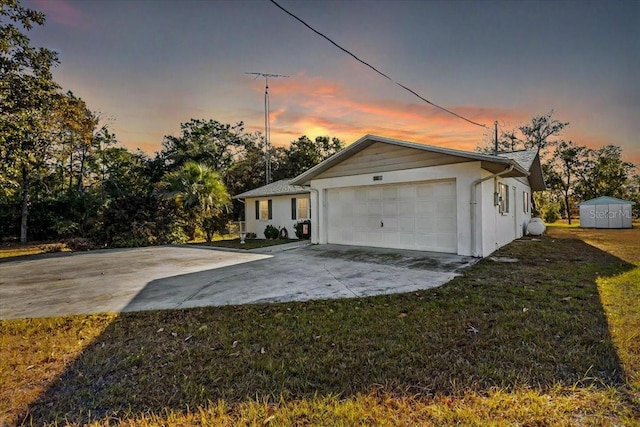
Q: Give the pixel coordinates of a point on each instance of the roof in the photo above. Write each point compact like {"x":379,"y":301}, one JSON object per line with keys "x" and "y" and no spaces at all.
{"x":490,"y":162}
{"x":529,"y":159}
{"x":606,"y":200}
{"x":278,"y":188}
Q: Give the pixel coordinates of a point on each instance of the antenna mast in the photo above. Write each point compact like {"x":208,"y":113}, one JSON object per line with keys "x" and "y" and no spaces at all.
{"x":267,"y":124}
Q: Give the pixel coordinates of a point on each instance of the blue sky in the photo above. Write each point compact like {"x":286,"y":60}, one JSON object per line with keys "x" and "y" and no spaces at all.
{"x":148,"y":66}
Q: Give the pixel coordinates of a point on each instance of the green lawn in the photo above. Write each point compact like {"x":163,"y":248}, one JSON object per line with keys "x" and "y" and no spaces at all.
{"x":550,"y":340}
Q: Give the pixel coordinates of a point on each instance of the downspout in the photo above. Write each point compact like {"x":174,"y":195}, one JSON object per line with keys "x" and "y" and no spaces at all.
{"x":317,"y":217}
{"x":474,"y":203}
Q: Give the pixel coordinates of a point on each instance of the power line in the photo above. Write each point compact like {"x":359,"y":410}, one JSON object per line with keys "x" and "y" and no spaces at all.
{"x":375,"y":69}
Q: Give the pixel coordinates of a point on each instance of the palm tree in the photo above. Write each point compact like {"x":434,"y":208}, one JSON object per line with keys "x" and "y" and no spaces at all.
{"x":198,"y":190}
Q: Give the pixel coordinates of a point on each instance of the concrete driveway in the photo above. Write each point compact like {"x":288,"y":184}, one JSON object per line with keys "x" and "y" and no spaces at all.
{"x":170,"y":277}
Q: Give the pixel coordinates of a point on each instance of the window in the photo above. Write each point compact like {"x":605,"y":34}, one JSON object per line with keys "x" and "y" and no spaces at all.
{"x":525,"y":201}
{"x":503,"y":198}
{"x":299,"y":208}
{"x":294,"y":208}
{"x":264,"y":210}
{"x":303,"y":208}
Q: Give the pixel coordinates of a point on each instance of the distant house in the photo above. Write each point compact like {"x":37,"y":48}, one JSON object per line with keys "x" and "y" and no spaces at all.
{"x":606,"y":212}
{"x":389,"y":193}
{"x":279,"y":204}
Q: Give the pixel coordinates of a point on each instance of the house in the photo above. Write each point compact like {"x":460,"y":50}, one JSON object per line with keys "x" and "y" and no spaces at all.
{"x":389,"y":193}
{"x":280,"y":204}
{"x":606,"y":212}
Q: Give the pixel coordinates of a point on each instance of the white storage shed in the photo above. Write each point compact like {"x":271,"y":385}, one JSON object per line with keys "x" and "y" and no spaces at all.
{"x":606,"y":212}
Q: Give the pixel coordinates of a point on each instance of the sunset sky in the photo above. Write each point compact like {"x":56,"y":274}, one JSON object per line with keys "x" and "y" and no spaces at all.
{"x":148,"y":65}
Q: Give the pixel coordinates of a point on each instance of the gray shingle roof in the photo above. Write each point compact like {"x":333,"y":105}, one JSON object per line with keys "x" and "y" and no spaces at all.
{"x":278,"y":188}
{"x":524,"y":158}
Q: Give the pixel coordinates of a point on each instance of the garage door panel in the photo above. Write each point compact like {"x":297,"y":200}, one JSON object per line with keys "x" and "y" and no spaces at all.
{"x":425,"y":225}
{"x":390,"y":209}
{"x":407,"y":207}
{"x":390,"y":224}
{"x":360,"y":209}
{"x":424,"y":191}
{"x":406,"y":224}
{"x":424,"y":207}
{"x":418,"y":216}
{"x":390,"y":193}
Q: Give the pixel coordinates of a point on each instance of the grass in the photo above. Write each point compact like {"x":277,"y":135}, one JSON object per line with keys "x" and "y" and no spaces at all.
{"x":550,"y":340}
{"x":248,"y":244}
{"x":9,"y":250}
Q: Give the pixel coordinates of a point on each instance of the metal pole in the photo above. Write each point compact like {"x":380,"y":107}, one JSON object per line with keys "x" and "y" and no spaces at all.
{"x":267,"y":123}
{"x":267,"y":140}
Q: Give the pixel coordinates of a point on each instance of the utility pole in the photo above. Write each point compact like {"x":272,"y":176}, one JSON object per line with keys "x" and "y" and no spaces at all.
{"x":495,"y":139}
{"x":267,"y":124}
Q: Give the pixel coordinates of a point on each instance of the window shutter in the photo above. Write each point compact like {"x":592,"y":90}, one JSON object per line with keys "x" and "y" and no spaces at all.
{"x":270,"y":207}
{"x":257,"y":209}
{"x":294,"y":207}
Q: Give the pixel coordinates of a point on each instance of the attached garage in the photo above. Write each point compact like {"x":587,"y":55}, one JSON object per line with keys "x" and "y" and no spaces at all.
{"x":606,"y":212}
{"x":419,"y":216}
{"x":388,"y":193}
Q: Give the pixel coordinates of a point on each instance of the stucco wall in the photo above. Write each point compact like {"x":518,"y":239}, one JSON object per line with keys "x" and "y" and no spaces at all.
{"x":498,"y":229}
{"x":281,"y":215}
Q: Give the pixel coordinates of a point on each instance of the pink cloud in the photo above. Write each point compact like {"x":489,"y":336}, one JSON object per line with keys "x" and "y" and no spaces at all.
{"x":63,"y":13}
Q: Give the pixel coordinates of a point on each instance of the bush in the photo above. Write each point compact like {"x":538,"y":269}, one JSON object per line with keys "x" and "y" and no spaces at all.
{"x":79,"y":244}
{"x":551,"y":213}
{"x":299,"y":227}
{"x":141,"y":220}
{"x":270,"y":232}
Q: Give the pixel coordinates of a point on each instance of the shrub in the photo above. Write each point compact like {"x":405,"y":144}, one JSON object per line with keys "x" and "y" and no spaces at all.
{"x":551,"y":213}
{"x":270,"y":232}
{"x":299,"y":227}
{"x":141,"y":220}
{"x":79,"y":244}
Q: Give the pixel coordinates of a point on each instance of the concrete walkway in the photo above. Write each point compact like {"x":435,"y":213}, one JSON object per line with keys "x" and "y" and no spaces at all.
{"x":171,"y":277}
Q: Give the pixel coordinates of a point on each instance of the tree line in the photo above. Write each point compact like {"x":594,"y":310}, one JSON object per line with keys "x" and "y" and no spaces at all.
{"x":63,"y":174}
{"x":573,"y":173}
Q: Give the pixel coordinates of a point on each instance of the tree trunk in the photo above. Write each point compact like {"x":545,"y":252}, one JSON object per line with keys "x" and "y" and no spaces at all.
{"x":25,"y":205}
{"x":566,"y":206}
{"x":81,"y":172}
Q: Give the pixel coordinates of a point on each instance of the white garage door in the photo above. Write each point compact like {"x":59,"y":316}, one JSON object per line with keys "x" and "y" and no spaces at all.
{"x":419,"y":216}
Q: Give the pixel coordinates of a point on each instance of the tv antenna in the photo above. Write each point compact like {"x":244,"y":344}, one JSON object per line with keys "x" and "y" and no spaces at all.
{"x":267,"y":124}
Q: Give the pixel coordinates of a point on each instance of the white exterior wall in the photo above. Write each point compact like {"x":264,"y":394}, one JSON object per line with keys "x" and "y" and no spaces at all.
{"x":463,"y":173}
{"x":281,"y":215}
{"x":493,"y":229}
{"x":499,"y":229}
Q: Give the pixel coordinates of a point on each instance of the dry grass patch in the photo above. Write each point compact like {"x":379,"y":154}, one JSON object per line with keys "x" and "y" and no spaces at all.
{"x":10,"y":250}
{"x":530,"y":343}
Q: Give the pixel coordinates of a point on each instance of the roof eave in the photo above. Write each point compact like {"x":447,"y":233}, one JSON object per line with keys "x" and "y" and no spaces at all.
{"x":305,"y":177}
{"x":284,"y":193}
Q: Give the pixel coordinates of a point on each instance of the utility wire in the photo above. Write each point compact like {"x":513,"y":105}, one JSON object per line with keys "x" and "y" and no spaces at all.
{"x":375,"y":69}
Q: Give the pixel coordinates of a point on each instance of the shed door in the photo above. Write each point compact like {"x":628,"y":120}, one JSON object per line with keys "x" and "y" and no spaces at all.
{"x":420,"y":216}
